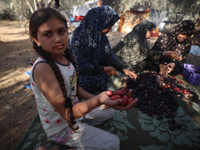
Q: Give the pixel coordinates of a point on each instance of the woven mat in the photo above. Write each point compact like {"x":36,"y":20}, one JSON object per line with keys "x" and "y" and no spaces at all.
{"x":137,"y":130}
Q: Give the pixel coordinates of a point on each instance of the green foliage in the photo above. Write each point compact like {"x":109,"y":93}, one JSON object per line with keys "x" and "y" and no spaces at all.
{"x":5,"y":11}
{"x":186,"y":6}
{"x":12,"y":9}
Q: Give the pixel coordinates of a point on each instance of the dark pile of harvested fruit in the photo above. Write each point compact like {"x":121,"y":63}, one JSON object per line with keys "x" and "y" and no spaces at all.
{"x":156,"y":96}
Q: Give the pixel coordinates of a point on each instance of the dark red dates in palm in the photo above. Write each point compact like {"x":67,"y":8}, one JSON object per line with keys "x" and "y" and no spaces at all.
{"x":129,"y":94}
{"x":114,"y":97}
{"x":120,"y":92}
{"x":109,"y":92}
{"x":125,"y":101}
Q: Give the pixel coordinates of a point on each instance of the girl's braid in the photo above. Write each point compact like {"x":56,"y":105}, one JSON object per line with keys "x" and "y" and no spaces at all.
{"x":59,"y":76}
{"x":68,"y":55}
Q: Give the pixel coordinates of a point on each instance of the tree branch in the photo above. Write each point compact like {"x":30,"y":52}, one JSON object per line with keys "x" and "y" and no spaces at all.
{"x":31,"y":9}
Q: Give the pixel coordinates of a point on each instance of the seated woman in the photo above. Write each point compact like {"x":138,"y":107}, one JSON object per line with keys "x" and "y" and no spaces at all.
{"x":132,"y":50}
{"x":91,"y":50}
{"x":171,"y":49}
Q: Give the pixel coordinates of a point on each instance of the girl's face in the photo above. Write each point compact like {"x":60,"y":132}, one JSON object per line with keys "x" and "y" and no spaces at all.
{"x":182,"y":37}
{"x":52,"y":36}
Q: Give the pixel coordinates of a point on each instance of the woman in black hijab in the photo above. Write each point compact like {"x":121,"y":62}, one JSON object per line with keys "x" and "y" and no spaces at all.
{"x":134,"y":48}
{"x":171,"y":49}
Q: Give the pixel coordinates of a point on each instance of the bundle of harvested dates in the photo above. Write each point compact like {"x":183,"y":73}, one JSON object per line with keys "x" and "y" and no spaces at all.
{"x":155,"y":95}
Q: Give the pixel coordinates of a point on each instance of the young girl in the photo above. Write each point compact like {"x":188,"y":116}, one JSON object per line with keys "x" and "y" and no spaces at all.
{"x":54,"y":83}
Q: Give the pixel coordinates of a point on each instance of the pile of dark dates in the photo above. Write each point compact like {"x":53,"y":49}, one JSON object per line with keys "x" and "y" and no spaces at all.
{"x":155,"y":95}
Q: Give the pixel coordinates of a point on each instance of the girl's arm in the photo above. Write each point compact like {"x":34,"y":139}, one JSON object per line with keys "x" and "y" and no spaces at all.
{"x":49,"y":86}
{"x":82,"y":94}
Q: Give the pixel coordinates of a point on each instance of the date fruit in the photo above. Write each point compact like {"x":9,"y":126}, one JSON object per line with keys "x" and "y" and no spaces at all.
{"x":125,"y":100}
{"x":114,"y":97}
{"x":109,"y":92}
{"x":120,"y":92}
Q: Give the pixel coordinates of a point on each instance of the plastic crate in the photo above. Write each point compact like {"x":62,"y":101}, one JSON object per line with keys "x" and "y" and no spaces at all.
{"x":192,"y":74}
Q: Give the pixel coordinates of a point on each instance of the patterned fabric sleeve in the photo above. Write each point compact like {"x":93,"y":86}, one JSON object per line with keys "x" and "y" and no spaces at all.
{"x":155,"y":53}
{"x":107,"y":53}
{"x":84,"y":67}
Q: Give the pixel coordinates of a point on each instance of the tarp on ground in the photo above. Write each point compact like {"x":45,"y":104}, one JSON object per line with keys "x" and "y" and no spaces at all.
{"x":137,"y":130}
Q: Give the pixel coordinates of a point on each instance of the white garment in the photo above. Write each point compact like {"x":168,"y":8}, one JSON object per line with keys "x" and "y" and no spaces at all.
{"x":53,"y":123}
{"x":87,"y":137}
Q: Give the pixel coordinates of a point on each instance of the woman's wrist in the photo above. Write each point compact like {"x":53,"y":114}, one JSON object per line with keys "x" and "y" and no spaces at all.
{"x":164,"y":53}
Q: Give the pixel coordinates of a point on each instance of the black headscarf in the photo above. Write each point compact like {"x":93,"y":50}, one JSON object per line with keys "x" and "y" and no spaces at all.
{"x":134,"y":48}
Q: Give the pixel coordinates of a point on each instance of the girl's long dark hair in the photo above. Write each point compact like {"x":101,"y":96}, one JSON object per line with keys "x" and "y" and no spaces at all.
{"x":38,"y":18}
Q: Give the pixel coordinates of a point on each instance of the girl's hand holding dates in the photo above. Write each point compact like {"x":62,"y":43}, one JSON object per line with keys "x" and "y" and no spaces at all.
{"x":126,"y":101}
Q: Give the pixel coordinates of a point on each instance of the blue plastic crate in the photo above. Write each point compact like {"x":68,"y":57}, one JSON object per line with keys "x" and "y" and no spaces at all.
{"x":192,"y":74}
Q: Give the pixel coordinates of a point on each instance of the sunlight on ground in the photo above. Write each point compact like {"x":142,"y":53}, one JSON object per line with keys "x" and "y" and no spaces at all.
{"x":15,"y":31}
{"x":9,"y":77}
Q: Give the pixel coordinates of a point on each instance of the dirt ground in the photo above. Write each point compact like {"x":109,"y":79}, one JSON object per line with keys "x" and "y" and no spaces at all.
{"x":17,"y":104}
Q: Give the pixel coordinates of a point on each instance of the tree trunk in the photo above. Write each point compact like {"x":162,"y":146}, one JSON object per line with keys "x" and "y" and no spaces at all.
{"x":31,"y":9}
{"x":49,"y":3}
{"x":41,"y":4}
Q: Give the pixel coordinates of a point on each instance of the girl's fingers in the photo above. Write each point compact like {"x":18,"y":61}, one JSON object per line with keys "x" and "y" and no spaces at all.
{"x":129,"y":106}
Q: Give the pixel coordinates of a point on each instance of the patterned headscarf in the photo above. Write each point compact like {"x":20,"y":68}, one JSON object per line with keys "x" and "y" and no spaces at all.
{"x":88,"y":35}
{"x":93,"y":23}
{"x":89,"y":47}
{"x":168,"y":41}
{"x":184,"y":27}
